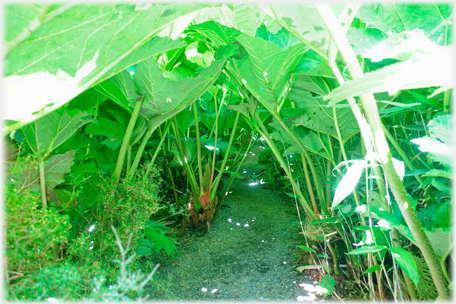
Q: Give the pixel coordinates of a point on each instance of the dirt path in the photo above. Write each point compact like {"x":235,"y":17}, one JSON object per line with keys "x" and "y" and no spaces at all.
{"x":247,"y":255}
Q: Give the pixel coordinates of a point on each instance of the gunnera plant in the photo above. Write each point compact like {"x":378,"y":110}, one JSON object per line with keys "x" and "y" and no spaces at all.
{"x":127,"y":206}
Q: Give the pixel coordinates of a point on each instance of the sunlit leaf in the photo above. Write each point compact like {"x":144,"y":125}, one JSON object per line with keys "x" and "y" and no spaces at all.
{"x":86,"y":44}
{"x":247,"y":18}
{"x":366,"y":250}
{"x":433,"y":18}
{"x":48,"y":133}
{"x":399,"y":167}
{"x":372,"y":269}
{"x":443,"y":217}
{"x":440,"y":142}
{"x":419,"y":72}
{"x":348,"y":182}
{"x":406,"y":262}
{"x":266,"y":72}
{"x":304,"y":20}
{"x":441,"y":240}
{"x":283,"y":38}
{"x":55,"y":168}
{"x":363,"y":39}
{"x":305,"y":248}
{"x":317,"y":116}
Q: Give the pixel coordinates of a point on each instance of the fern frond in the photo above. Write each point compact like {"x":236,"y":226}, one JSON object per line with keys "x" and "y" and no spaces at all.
{"x":426,"y":289}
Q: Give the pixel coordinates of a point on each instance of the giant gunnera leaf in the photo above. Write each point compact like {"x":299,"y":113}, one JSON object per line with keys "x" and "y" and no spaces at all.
{"x":266,"y":73}
{"x":56,"y":54}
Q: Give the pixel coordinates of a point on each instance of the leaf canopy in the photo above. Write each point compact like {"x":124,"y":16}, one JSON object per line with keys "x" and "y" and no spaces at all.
{"x":48,"y":133}
{"x":267,"y":70}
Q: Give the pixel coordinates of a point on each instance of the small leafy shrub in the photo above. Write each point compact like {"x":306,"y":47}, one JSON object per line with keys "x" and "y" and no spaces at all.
{"x":33,"y":234}
{"x":61,"y":282}
{"x":127,"y":206}
{"x":155,"y":239}
{"x":70,"y":282}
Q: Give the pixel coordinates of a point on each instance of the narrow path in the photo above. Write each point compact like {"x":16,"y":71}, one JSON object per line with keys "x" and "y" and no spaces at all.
{"x":247,"y":255}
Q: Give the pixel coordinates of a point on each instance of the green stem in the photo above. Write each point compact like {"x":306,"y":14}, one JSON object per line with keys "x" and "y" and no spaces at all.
{"x":252,"y":142}
{"x":309,"y":184}
{"x":128,"y":158}
{"x":265,"y":134}
{"x":42,"y":184}
{"x":446,"y":100}
{"x":401,"y":152}
{"x":96,"y":115}
{"x":126,"y":141}
{"x":153,"y":124}
{"x":174,"y":188}
{"x":381,"y":146}
{"x":215,"y":141}
{"x":238,"y":153}
{"x":226,"y":116}
{"x":198,"y":148}
{"x":190,"y":177}
{"x":219,"y":176}
{"x":160,"y":144}
{"x":303,"y":151}
{"x":344,"y":154}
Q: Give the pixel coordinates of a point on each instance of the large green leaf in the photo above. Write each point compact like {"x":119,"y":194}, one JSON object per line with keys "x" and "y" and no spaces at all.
{"x":313,"y":64}
{"x":247,"y":18}
{"x":283,"y":38}
{"x":55,"y":168}
{"x":185,"y":120}
{"x":363,"y":39}
{"x":86,"y":44}
{"x":348,"y":182}
{"x":309,"y":139}
{"x":47,"y":133}
{"x":406,"y":262}
{"x":221,"y":14}
{"x":120,"y":89}
{"x":440,"y":142}
{"x":441,"y":240}
{"x":114,"y":131}
{"x":318,"y":116}
{"x":216,"y":33}
{"x":163,"y":97}
{"x":443,"y":217}
{"x":267,"y":70}
{"x":366,"y":250}
{"x":21,"y":19}
{"x":393,"y":220}
{"x":86,"y":100}
{"x":433,"y":18}
{"x":419,"y":72}
{"x":304,"y":21}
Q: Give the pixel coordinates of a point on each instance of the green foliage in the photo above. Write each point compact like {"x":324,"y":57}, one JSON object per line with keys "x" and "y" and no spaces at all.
{"x":61,"y":282}
{"x":127,"y":206}
{"x":426,"y":288}
{"x":405,"y":260}
{"x":34,"y":236}
{"x":48,"y":133}
{"x":155,"y":239}
{"x":440,"y":142}
{"x":103,"y":57}
{"x":68,"y":282}
{"x":348,"y":182}
{"x":55,"y":167}
{"x":328,"y":282}
{"x":398,"y":17}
